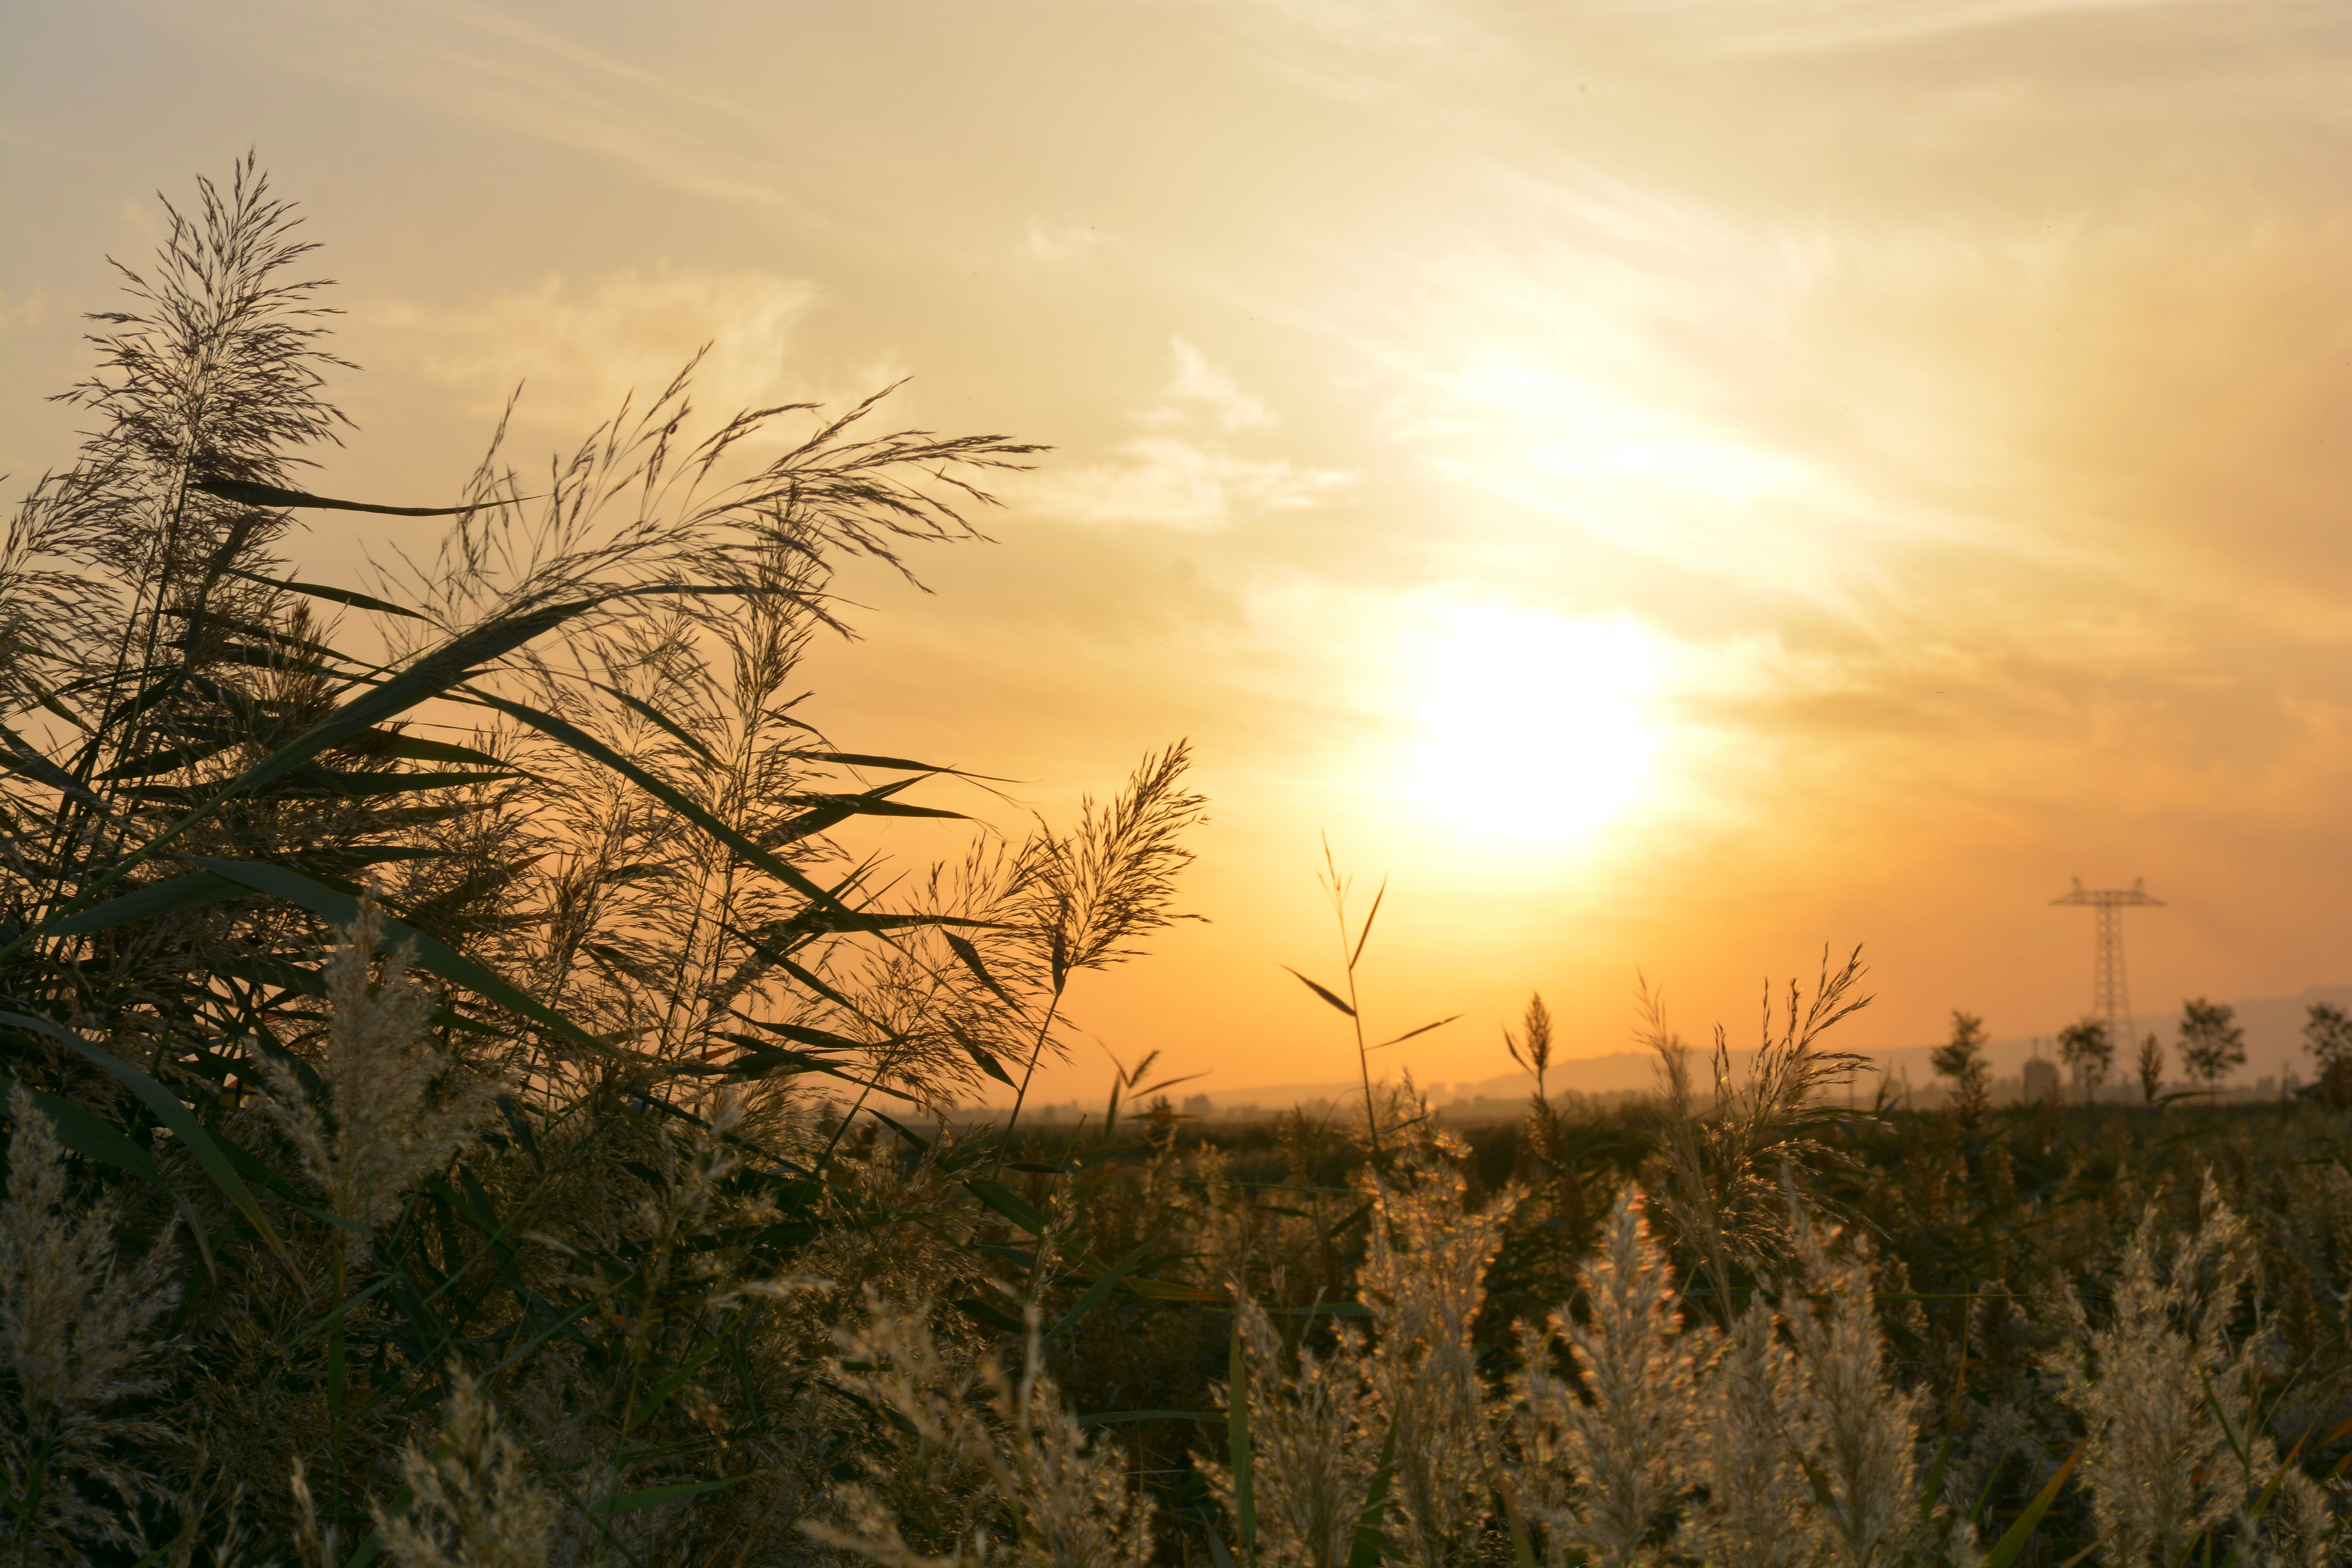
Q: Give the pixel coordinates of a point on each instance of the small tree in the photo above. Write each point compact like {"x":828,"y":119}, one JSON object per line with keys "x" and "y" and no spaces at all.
{"x":1961,"y":1059}
{"x":2213,"y":1042}
{"x":2327,"y":1035}
{"x":2151,"y":1067}
{"x":2090,"y":1050}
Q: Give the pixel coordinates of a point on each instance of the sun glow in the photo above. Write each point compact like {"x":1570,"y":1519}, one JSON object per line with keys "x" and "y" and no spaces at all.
{"x":1556,"y":720}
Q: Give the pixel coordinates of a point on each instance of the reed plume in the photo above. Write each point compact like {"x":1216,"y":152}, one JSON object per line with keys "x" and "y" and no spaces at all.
{"x":1758,"y":1511}
{"x":1315,"y":1433}
{"x":1607,"y":1456}
{"x":2167,"y":1398}
{"x":1423,"y":1279}
{"x":1002,"y":1473}
{"x":399,"y":1110}
{"x":1725,"y":1161}
{"x":1857,"y":1429}
{"x":77,"y":1345}
{"x":1086,"y":895}
{"x":473,"y":1501}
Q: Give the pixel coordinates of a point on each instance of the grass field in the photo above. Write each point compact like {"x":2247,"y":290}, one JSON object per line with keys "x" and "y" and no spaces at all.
{"x":414,"y":1009}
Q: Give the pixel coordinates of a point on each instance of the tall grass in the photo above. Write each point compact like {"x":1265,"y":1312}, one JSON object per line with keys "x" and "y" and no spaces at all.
{"x":441,"y":985}
{"x":464,"y":1108}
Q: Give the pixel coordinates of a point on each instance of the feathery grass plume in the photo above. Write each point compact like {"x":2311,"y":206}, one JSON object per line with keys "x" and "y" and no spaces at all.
{"x":679,"y":1268}
{"x":1723,"y":1163}
{"x":1531,"y":1049}
{"x":1858,"y":1431}
{"x":1603,"y":1467}
{"x":1424,"y":1275}
{"x":1758,"y":1511}
{"x":214,"y":371}
{"x":1044,"y":1496}
{"x":1110,"y":881}
{"x":380,"y":1071}
{"x":2167,"y":1398}
{"x":48,"y":610}
{"x":75,"y":1340}
{"x":2299,"y":1531}
{"x":1089,"y":893}
{"x":473,"y":1502}
{"x":1316,"y":1430}
{"x":634,"y":505}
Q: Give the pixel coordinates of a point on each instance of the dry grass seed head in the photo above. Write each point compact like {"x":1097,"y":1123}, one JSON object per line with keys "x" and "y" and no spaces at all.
{"x":1859,"y":1429}
{"x":1110,"y":881}
{"x":76,"y":1339}
{"x":1758,"y":1511}
{"x":1603,"y":1468}
{"x":1314,"y":1436}
{"x":473,"y":1501}
{"x":1046,"y":1496}
{"x":1423,"y":1277}
{"x":381,"y":1072}
{"x":1725,"y":1162}
{"x":2167,"y":1399}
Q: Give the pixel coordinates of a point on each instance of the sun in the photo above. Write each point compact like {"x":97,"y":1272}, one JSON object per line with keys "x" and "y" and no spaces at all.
{"x":1534,"y":728}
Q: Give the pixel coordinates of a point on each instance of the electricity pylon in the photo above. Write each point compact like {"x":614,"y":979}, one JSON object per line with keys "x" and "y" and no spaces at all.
{"x":2110,"y":996}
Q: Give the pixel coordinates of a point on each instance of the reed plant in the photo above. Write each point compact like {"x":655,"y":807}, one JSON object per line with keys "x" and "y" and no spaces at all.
{"x":440,"y":1000}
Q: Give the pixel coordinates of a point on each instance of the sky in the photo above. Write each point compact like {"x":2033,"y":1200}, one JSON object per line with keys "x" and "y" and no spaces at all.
{"x":1669,"y":487}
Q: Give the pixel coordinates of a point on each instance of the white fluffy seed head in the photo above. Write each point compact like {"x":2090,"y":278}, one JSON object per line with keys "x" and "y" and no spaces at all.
{"x":399,"y":1111}
{"x":1423,"y":1277}
{"x":1016,"y":1459}
{"x":2162,"y":1390}
{"x":1606,"y":1457}
{"x":77,"y":1339}
{"x":476,"y":1504}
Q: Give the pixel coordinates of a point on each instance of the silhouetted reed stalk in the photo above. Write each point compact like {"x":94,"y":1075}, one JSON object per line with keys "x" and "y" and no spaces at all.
{"x":1351,"y":955}
{"x":1101,"y":886}
{"x":1728,"y":1160}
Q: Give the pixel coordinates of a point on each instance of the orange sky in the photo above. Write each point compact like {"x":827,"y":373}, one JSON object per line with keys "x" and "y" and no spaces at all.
{"x":1667,"y":483}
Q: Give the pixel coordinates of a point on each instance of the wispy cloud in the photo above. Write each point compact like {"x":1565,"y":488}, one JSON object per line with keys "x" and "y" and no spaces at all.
{"x":579,"y":347}
{"x":1186,"y":473}
{"x":475,"y":60}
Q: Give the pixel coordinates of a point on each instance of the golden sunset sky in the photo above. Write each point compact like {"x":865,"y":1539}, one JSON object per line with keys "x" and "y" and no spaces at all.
{"x":1668,"y":484}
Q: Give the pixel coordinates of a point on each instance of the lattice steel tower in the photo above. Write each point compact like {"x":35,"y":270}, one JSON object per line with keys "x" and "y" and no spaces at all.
{"x":2110,"y":996}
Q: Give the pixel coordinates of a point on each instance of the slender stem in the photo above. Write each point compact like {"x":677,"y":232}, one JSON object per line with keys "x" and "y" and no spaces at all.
{"x":335,"y":1391}
{"x":70,"y":809}
{"x":1356,"y":1017}
{"x":1020,"y":1094}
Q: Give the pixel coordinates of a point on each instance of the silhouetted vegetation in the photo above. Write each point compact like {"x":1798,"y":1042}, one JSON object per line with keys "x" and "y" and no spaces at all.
{"x":464,"y":1106}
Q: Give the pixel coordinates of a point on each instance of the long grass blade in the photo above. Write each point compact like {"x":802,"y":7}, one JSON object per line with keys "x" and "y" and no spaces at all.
{"x":246,"y":493}
{"x":91,"y":1138}
{"x":1365,"y":934}
{"x":1238,"y":1444}
{"x":191,"y":892}
{"x":1102,"y":1286}
{"x":1373,"y":1517}
{"x":2013,"y":1540}
{"x":342,"y":908}
{"x":1325,"y":994}
{"x":168,"y":1111}
{"x":334,"y":596}
{"x":21,"y":758}
{"x":570,"y":734}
